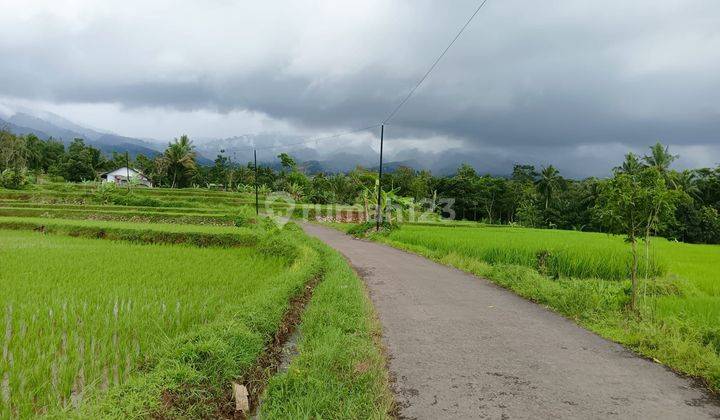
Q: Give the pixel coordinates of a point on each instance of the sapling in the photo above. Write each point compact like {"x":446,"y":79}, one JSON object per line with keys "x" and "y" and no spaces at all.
{"x":635,"y":203}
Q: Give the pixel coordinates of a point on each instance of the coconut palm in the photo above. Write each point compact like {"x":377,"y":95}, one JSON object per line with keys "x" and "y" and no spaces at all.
{"x":548,"y":183}
{"x":178,"y":159}
{"x":687,"y":181}
{"x":661,"y":159}
{"x":632,"y":165}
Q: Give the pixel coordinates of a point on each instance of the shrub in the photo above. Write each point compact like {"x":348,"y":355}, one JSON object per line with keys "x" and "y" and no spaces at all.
{"x":280,"y":245}
{"x":13,"y":179}
{"x":362,"y":229}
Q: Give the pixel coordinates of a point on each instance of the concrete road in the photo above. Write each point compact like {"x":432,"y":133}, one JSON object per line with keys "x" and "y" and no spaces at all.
{"x":461,"y":347}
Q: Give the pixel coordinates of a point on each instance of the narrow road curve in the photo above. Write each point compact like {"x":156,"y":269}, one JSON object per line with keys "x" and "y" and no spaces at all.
{"x":461,"y":347}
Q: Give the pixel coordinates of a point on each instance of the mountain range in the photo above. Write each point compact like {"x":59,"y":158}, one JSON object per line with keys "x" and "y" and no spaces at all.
{"x":239,"y":149}
{"x":45,"y":125}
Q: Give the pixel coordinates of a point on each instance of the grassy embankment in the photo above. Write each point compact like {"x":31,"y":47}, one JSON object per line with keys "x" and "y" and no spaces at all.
{"x":158,"y":319}
{"x":339,"y":372}
{"x":584,"y":277}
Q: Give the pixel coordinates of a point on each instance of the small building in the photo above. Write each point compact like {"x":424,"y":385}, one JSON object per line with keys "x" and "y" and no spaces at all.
{"x":120,"y":177}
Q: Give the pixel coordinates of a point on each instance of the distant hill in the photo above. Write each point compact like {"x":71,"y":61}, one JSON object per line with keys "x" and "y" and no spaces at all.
{"x":21,"y":131}
{"x":109,"y":143}
{"x":239,"y":149}
{"x":49,"y":125}
{"x":42,"y":126}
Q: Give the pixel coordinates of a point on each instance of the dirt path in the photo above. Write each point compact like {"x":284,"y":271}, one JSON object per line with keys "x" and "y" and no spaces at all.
{"x":461,"y":347}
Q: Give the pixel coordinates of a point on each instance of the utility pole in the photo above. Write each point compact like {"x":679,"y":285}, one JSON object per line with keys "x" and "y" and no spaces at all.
{"x":378,"y":215}
{"x":233,"y":172}
{"x":127,"y":169}
{"x":257,"y":201}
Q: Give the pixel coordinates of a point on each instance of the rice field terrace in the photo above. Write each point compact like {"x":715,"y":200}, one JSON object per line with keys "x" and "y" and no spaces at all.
{"x":192,"y":199}
{"x":145,"y":310}
{"x":585,"y":276}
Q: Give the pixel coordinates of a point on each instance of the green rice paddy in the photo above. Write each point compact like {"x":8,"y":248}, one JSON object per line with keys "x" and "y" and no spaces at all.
{"x":153,"y":309}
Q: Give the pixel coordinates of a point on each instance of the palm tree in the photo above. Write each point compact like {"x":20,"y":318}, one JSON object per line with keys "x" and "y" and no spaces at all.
{"x":548,"y":183}
{"x":660,"y":157}
{"x":631,"y":165}
{"x":687,"y":181}
{"x":178,"y":159}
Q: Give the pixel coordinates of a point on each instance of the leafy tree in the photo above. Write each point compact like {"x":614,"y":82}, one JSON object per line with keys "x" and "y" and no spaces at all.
{"x":83,"y":162}
{"x":321,"y":190}
{"x":221,"y":172}
{"x":13,"y":178}
{"x":527,"y":211}
{"x":635,"y":204}
{"x":35,"y":152}
{"x":488,"y":193}
{"x":287,"y":161}
{"x":53,"y":155}
{"x":343,"y":188}
{"x":13,"y":151}
{"x":147,"y":166}
{"x":525,"y":174}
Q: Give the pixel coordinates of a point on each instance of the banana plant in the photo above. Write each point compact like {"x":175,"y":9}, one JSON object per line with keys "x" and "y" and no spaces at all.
{"x":365,"y":197}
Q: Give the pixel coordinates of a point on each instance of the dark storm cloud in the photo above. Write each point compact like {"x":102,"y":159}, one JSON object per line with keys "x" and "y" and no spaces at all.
{"x":525,"y":79}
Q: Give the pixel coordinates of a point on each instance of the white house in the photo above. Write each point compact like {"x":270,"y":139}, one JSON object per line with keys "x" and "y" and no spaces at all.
{"x":120,"y":176}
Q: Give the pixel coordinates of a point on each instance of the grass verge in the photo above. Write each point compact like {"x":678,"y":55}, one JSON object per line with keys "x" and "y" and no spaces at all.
{"x":340,"y":370}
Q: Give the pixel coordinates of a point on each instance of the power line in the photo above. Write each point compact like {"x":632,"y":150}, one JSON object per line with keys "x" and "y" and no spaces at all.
{"x":410,"y":94}
{"x":396,"y":109}
{"x":315,"y":139}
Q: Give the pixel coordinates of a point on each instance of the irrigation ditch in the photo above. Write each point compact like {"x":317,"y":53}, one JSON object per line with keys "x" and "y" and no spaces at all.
{"x":276,"y":358}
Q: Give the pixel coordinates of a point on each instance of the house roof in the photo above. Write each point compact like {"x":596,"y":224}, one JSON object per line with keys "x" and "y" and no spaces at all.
{"x":124,"y":169}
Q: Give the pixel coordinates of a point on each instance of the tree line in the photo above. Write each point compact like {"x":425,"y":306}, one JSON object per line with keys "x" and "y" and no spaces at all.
{"x":530,"y":196}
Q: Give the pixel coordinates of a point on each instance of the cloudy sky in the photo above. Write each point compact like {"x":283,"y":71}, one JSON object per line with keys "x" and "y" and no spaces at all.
{"x":570,"y":82}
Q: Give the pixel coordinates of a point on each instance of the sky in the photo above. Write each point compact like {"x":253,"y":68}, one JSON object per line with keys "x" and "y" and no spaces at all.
{"x":572,"y":83}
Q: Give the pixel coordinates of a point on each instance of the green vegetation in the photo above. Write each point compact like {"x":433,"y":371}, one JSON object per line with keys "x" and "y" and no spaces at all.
{"x":194,"y":370}
{"x":129,"y":215}
{"x":339,"y":373}
{"x":116,"y":311}
{"x":656,"y":296}
{"x":553,"y":253}
{"x":529,"y":196}
{"x":106,"y":305}
{"x":585,"y":276}
{"x":140,"y":233}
